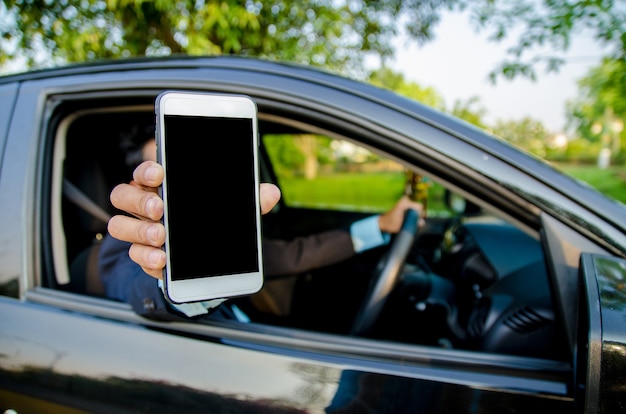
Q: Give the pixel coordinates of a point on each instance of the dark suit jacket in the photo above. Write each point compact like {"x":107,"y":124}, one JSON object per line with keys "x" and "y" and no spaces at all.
{"x":125,"y":281}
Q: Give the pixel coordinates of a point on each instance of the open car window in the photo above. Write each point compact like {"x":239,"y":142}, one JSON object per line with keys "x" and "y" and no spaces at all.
{"x":319,"y":172}
{"x":316,"y":171}
{"x":459,"y":287}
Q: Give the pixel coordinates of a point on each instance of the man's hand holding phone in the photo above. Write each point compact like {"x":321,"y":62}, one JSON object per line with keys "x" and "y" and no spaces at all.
{"x":146,"y":232}
{"x":209,"y":137}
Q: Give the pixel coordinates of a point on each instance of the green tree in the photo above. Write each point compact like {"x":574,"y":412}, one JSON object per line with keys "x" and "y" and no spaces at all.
{"x":329,"y":33}
{"x":470,"y":111}
{"x":336,"y":34}
{"x":544,"y":29}
{"x":395,"y":81}
{"x":389,"y":79}
{"x":285,"y":155}
{"x":541,"y":30}
{"x":300,"y":154}
{"x":599,"y":112}
{"x":527,"y":133}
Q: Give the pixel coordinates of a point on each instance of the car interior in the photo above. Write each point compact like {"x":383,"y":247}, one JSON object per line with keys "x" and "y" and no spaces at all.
{"x":468,"y":279}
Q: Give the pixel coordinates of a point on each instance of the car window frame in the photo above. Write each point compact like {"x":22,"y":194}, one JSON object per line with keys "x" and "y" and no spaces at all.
{"x":312,"y":343}
{"x":297,"y":122}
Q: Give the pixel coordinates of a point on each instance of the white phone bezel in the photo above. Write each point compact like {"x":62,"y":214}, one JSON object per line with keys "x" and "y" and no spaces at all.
{"x":210,"y":105}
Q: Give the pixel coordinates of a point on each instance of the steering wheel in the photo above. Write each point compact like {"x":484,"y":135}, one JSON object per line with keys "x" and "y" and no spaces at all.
{"x":387,"y":276}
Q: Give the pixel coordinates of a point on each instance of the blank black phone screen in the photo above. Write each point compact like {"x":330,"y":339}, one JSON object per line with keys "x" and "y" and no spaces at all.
{"x":210,"y":173}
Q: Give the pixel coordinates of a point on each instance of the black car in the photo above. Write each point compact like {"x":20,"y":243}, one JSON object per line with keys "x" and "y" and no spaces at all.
{"x":511,"y":297}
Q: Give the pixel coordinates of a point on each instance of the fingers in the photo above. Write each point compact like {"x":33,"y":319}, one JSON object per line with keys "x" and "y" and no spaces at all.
{"x":413,"y":205}
{"x":407,"y":203}
{"x":137,"y":201}
{"x":419,"y":207}
{"x":151,"y":259}
{"x":137,"y":231}
{"x":147,"y":238}
{"x":149,"y":174}
{"x":269,"y":196}
{"x":140,"y":197}
{"x":391,"y":221}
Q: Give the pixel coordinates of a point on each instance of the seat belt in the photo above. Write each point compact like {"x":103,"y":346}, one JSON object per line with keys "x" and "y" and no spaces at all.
{"x":93,"y":284}
{"x":75,"y":195}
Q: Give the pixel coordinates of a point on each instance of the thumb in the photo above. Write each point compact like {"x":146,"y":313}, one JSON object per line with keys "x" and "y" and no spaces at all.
{"x":269,"y":196}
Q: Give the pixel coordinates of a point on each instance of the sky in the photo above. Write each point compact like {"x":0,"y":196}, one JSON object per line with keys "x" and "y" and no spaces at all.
{"x":458,"y":61}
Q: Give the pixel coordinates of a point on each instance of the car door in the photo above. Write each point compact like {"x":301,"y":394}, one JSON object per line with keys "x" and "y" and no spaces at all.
{"x":600,"y":364}
{"x":85,"y":351}
{"x":8,"y":93}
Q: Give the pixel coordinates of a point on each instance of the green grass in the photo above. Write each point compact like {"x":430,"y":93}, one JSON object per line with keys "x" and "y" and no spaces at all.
{"x":375,"y":192}
{"x":610,"y":181}
{"x":372,"y":192}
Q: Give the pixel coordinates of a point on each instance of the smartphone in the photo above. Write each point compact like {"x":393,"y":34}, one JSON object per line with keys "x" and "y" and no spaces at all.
{"x":207,"y":144}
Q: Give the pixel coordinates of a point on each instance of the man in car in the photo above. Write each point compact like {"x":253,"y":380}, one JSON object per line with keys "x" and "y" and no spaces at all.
{"x":134,"y":253}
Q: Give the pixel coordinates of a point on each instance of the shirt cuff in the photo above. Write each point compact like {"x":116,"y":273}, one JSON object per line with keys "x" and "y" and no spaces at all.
{"x":195,"y":308}
{"x":366,"y":234}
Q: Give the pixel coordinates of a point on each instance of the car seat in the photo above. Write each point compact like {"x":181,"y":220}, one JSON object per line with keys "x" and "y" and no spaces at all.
{"x":94,"y":164}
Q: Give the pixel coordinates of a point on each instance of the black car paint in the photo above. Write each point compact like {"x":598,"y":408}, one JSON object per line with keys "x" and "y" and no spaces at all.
{"x":94,"y":355}
{"x":604,"y":287}
{"x":128,"y":375}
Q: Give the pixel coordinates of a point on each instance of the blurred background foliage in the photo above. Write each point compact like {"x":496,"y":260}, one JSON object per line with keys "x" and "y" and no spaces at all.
{"x":341,"y":36}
